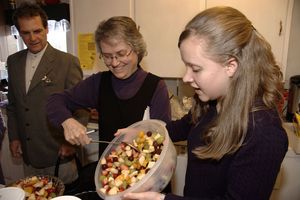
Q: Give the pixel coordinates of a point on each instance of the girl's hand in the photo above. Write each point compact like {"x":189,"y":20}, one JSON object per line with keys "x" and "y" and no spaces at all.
{"x":120,"y":131}
{"x":144,"y":196}
{"x":126,"y":131}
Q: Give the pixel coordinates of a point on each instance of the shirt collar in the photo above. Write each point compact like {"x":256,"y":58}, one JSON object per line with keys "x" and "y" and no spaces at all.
{"x":39,"y":54}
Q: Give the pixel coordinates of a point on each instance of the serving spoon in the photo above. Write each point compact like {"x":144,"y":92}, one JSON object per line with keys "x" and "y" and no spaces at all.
{"x":108,"y":142}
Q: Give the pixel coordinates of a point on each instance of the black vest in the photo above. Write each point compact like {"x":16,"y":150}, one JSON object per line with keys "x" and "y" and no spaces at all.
{"x":115,"y":113}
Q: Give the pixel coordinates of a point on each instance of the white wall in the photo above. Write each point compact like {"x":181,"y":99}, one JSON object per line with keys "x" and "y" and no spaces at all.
{"x":3,"y":44}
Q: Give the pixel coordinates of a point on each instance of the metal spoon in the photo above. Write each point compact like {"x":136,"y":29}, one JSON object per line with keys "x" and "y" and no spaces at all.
{"x":108,"y":142}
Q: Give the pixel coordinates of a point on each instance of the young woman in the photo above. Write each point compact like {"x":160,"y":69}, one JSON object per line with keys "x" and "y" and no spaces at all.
{"x":234,"y":133}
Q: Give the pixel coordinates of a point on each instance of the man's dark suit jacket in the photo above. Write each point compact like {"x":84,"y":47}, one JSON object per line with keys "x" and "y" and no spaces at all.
{"x":27,"y":119}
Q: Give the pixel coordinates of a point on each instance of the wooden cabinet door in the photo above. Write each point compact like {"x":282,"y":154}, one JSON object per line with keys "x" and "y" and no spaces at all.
{"x":161,"y":22}
{"x":271,"y":18}
{"x":87,"y":14}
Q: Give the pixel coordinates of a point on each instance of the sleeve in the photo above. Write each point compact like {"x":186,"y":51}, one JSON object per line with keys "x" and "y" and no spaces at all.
{"x":179,"y":129}
{"x":254,"y":169}
{"x":74,"y":74}
{"x":176,"y":197}
{"x":2,"y":129}
{"x":60,"y":106}
{"x":160,"y":104}
{"x":2,"y":124}
{"x":11,"y":107}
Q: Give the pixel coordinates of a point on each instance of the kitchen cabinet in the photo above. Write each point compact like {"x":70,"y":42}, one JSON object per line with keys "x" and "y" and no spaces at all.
{"x":87,"y":14}
{"x":272,"y":18}
{"x":293,"y":59}
{"x":161,"y":23}
{"x":160,"y":29}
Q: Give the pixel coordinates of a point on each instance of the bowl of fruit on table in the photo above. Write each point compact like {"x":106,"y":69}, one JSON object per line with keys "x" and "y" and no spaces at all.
{"x":40,"y":187}
{"x":147,"y":164}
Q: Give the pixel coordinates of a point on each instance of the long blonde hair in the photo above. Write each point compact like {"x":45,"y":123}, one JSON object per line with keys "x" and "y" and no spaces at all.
{"x":229,"y":34}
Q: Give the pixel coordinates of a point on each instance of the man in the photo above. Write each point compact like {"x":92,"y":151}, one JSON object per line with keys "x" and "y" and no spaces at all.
{"x":33,"y":75}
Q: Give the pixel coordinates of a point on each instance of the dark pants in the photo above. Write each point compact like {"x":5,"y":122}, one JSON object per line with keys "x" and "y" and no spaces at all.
{"x":1,"y":176}
{"x":85,"y":181}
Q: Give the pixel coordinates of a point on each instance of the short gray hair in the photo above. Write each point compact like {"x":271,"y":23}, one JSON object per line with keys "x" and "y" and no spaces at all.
{"x":124,"y":28}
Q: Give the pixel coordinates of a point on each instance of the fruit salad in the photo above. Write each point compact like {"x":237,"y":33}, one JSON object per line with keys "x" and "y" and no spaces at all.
{"x":38,"y":187}
{"x":125,"y":166}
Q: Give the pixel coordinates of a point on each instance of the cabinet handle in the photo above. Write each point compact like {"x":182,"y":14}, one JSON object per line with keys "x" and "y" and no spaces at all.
{"x":280,"y":28}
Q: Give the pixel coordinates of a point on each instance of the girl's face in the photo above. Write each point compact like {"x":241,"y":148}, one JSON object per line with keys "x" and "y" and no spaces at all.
{"x":119,"y":57}
{"x":209,"y":79}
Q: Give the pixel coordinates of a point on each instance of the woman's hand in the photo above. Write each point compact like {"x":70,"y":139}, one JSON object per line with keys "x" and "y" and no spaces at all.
{"x":75,"y":132}
{"x":144,"y":196}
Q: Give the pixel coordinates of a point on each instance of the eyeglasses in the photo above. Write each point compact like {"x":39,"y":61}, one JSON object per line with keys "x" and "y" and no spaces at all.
{"x":120,"y":56}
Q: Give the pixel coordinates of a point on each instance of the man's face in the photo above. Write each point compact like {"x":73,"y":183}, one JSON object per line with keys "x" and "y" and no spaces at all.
{"x":33,"y":33}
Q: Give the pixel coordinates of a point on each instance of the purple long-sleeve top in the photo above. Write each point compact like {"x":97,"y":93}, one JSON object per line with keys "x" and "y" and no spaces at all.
{"x":2,"y":129}
{"x":85,"y":95}
{"x":248,"y":174}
